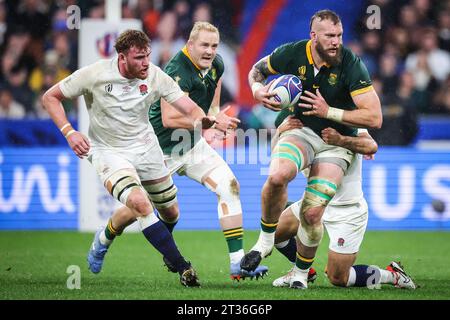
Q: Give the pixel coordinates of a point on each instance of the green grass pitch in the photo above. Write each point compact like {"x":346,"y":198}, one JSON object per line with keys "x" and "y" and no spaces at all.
{"x":33,"y":265}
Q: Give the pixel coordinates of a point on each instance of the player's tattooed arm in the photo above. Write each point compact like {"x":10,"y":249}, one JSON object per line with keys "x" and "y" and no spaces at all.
{"x":257,"y":78}
{"x":260,"y":71}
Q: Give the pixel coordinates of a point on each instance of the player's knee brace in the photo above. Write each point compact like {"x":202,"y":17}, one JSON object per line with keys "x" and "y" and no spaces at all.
{"x":318,"y":193}
{"x":162,"y":194}
{"x":121,"y":183}
{"x":224,"y":184}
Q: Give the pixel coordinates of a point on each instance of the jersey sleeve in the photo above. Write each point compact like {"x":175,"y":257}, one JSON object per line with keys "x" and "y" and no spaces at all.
{"x":78,"y":83}
{"x":219,"y":65}
{"x":169,"y":89}
{"x":179,"y":77}
{"x":280,"y":58}
{"x":358,"y":78}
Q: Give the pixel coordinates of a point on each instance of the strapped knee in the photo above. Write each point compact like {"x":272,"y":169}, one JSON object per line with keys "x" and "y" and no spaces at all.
{"x":318,"y":193}
{"x":289,"y":151}
{"x":223,"y":182}
{"x":121,"y":183}
{"x":162,"y":194}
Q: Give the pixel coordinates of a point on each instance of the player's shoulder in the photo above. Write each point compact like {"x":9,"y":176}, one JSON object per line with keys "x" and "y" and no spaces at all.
{"x":349,"y":57}
{"x":218,"y":63}
{"x":177,"y":64}
{"x":294,"y":46}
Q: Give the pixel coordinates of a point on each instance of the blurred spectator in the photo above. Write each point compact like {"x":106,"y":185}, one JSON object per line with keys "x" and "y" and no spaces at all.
{"x":18,"y":86}
{"x":43,"y":77}
{"x":444,"y":30}
{"x":167,"y":43}
{"x":388,"y":73}
{"x":399,"y":118}
{"x":202,"y":12}
{"x":150,"y":17}
{"x":182,"y":10}
{"x":3,"y":25}
{"x":9,"y":108}
{"x":441,"y":101}
{"x":429,"y":61}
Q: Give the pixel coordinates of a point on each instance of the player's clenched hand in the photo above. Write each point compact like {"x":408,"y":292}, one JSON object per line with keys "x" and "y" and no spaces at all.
{"x":79,"y":143}
{"x":263,"y":95}
{"x":331,"y":136}
{"x":224,"y":122}
{"x":316,"y":104}
{"x":289,"y":123}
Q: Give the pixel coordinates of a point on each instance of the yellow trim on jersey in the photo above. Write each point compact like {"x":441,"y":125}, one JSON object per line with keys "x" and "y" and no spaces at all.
{"x":309,"y":52}
{"x":361,"y":91}
{"x":186,"y":53}
{"x":310,"y":56}
{"x":272,"y":70}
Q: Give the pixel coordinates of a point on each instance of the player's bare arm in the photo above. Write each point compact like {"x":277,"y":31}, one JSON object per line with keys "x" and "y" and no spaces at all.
{"x":77,"y":141}
{"x":256,"y":79}
{"x":363,"y":143}
{"x":190,"y":115}
{"x":367,"y":115}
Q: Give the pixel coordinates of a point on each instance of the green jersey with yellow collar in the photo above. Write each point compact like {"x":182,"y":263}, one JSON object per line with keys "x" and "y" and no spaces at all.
{"x":337,"y":84}
{"x":199,"y":86}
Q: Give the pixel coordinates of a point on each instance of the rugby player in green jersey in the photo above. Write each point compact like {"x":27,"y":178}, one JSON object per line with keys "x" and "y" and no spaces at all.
{"x":197,"y":69}
{"x":338,"y":93}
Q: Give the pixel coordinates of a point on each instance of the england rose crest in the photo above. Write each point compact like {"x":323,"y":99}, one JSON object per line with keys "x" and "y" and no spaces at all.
{"x":143,"y":89}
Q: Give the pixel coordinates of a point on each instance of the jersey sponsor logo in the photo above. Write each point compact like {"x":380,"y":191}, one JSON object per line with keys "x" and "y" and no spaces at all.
{"x":126,"y":89}
{"x":340,"y":242}
{"x":332,"y":79}
{"x":109,"y":87}
{"x":302,"y":72}
{"x":214,"y":73}
{"x":143,"y":89}
{"x":315,"y":86}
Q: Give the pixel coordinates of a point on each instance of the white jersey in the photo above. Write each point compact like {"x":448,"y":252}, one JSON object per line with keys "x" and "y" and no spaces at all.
{"x":350,"y":190}
{"x":117,"y":106}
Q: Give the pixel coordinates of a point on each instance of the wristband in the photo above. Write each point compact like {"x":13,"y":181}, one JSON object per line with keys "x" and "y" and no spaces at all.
{"x":69,"y":133}
{"x":64,"y":126}
{"x":335,"y":114}
{"x":256,"y":86}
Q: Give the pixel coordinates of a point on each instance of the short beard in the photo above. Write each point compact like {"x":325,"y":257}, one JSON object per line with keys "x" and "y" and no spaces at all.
{"x":323,"y":54}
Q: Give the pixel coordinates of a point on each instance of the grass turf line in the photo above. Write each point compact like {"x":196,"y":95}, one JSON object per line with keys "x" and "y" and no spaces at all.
{"x":33,"y":265}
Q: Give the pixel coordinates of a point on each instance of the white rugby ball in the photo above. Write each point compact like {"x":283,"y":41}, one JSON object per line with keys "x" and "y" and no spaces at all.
{"x":288,"y":89}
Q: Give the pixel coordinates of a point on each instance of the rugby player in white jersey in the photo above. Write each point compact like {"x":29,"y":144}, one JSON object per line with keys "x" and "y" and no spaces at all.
{"x":122,"y":145}
{"x":345,"y":220}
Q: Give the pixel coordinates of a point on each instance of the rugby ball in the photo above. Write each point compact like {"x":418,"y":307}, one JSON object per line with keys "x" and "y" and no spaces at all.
{"x":288,"y":89}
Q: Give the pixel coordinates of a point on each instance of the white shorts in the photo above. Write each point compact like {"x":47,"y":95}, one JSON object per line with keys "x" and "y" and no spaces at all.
{"x":346,"y":233}
{"x":196,"y":163}
{"x":320,"y":148}
{"x":147,"y":163}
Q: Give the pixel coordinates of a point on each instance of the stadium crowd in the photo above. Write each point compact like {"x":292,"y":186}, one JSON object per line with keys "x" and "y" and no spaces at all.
{"x":408,"y":57}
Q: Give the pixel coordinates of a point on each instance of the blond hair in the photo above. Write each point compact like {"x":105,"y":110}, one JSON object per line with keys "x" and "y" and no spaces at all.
{"x":202,"y":25}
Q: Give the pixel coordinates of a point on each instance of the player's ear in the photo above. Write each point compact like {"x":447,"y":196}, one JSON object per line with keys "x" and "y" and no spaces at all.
{"x":313,"y":35}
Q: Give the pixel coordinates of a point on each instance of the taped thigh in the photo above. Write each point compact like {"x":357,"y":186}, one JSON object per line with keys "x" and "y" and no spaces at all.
{"x":224,"y":184}
{"x":121,"y":183}
{"x":163,"y":194}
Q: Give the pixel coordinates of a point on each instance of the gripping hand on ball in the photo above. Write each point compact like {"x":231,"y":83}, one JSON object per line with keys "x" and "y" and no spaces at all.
{"x":263,"y":95}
